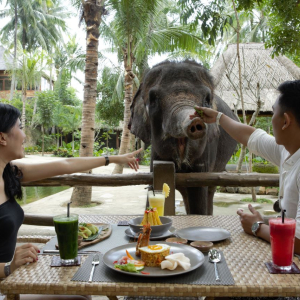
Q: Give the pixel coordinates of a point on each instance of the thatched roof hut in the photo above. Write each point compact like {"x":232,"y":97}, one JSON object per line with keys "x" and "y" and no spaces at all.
{"x":258,"y":67}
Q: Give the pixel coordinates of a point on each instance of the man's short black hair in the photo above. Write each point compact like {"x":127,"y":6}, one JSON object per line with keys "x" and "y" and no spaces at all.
{"x":289,"y":99}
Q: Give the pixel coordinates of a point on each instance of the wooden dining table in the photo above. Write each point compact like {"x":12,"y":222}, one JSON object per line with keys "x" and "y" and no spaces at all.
{"x":245,"y":256}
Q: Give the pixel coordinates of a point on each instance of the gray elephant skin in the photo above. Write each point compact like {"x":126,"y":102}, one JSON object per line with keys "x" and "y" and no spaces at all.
{"x":160,"y":114}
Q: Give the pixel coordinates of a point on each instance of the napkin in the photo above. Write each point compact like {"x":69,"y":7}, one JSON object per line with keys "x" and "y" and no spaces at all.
{"x":178,"y":259}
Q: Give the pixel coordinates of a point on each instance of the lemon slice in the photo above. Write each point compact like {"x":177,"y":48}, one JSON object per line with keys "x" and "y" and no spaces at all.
{"x":166,"y":189}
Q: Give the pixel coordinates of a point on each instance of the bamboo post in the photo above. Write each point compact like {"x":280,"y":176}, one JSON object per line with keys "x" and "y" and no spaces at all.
{"x":164,"y":172}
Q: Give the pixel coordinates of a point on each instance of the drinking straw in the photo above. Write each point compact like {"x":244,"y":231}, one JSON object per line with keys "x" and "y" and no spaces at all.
{"x":282,"y":215}
{"x":68,"y":209}
{"x":150,"y":188}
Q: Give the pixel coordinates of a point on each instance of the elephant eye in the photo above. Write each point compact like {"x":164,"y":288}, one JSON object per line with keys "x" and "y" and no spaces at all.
{"x":153,"y":97}
{"x":207,"y":100}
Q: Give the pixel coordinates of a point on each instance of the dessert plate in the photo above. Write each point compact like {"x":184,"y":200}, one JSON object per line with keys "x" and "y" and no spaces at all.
{"x":196,"y":259}
{"x":209,"y":234}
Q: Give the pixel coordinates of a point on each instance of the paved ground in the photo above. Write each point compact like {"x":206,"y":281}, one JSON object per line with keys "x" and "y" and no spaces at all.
{"x":120,"y":200}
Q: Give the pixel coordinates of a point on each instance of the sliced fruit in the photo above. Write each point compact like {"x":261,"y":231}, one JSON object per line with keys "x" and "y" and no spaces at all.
{"x":128,"y":254}
{"x":166,"y":189}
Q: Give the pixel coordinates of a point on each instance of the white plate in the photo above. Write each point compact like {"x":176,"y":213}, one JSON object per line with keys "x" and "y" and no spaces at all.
{"x":196,"y":258}
{"x":209,"y":234}
{"x":170,"y":232}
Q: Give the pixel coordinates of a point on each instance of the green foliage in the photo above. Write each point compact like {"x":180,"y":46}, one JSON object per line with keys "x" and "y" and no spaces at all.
{"x":209,"y":17}
{"x":62,"y":152}
{"x":110,"y":106}
{"x":46,"y":102}
{"x":33,"y":149}
{"x":265,"y":168}
{"x":146,"y":158}
{"x":258,"y":200}
{"x":17,"y":102}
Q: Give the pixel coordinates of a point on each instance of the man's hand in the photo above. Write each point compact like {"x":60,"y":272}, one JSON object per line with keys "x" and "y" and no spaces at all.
{"x":247,"y":220}
{"x":208,"y":116}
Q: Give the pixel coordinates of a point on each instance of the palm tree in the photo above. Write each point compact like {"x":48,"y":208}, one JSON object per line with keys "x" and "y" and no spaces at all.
{"x":140,"y":29}
{"x":92,"y":11}
{"x":28,"y":72}
{"x":34,"y":23}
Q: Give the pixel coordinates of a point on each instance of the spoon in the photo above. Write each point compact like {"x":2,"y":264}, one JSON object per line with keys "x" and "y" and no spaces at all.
{"x":214,"y":256}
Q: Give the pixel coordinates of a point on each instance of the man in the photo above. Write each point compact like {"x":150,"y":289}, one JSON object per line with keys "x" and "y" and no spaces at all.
{"x":282,"y":150}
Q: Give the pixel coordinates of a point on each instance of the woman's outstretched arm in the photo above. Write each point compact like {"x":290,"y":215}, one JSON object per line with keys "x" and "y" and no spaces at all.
{"x":37,"y":171}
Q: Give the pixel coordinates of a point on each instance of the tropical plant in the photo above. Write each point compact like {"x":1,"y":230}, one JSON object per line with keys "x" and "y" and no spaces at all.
{"x":110,"y":107}
{"x":28,"y":72}
{"x":46,"y":102}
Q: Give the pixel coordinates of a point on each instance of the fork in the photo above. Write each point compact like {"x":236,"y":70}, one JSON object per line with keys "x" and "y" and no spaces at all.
{"x":94,"y":263}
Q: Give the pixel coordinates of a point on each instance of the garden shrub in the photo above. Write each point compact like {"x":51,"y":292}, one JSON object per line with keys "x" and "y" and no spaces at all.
{"x":265,"y":168}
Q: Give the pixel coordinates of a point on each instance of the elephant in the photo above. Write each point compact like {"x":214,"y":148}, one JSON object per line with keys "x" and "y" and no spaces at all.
{"x":160,"y":113}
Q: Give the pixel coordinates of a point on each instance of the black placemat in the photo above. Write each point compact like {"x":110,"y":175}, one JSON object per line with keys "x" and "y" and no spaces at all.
{"x":272,"y":270}
{"x":117,"y":238}
{"x":204,"y":275}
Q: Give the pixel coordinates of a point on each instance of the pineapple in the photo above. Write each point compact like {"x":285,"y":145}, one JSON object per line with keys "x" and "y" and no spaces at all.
{"x":166,"y":189}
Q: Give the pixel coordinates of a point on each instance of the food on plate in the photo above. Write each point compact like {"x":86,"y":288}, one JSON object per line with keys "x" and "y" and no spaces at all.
{"x":129,"y":264}
{"x":94,"y":229}
{"x":143,"y":239}
{"x":172,"y":261}
{"x":151,"y":216}
{"x":86,"y":230}
{"x":153,"y":255}
{"x":166,"y":189}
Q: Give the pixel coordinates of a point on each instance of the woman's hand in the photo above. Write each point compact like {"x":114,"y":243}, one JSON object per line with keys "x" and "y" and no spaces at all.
{"x":129,"y":158}
{"x":247,"y":220}
{"x":24,"y":254}
{"x":209,"y":115}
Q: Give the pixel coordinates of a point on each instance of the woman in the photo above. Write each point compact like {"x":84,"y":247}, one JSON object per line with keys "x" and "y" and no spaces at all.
{"x":12,"y":140}
{"x":283,"y":150}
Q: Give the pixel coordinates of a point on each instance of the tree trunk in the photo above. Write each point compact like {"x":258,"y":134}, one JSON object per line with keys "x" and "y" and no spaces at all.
{"x":73,"y":143}
{"x":241,"y":159}
{"x":250,"y":171}
{"x":13,"y":79}
{"x":24,"y":98}
{"x":128,"y":60}
{"x":92,"y":11}
{"x":43,"y":137}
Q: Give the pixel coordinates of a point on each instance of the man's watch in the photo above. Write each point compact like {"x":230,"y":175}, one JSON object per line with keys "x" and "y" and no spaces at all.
{"x":7,"y":271}
{"x":255,"y":226}
{"x":106,"y":160}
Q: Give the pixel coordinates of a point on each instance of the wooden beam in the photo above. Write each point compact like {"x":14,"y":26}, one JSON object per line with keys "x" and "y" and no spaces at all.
{"x":189,"y":179}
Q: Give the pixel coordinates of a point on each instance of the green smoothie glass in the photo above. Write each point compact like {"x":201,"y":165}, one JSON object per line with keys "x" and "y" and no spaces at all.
{"x":66,"y":228}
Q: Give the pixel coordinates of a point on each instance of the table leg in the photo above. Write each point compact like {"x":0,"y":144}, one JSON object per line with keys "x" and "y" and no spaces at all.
{"x":12,"y":297}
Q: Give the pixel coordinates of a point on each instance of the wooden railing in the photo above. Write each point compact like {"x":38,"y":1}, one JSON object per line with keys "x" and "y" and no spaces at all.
{"x":162,"y":172}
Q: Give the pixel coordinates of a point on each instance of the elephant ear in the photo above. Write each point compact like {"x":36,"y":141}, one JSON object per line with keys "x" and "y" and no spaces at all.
{"x":139,"y":123}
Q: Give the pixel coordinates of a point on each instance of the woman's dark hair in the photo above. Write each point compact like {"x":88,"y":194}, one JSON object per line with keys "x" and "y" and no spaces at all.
{"x":11,"y":174}
{"x":289,"y":99}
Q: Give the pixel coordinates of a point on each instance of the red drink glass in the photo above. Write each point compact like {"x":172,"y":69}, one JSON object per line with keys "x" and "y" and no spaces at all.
{"x":282,"y":242}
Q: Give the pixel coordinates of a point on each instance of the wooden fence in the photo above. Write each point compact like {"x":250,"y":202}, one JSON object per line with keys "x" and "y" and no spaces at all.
{"x":162,"y":172}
